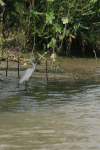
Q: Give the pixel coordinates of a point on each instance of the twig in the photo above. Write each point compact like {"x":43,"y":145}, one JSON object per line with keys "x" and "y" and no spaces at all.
{"x":95,"y":57}
{"x":7,"y":67}
{"x":46,"y":71}
{"x":18,"y":67}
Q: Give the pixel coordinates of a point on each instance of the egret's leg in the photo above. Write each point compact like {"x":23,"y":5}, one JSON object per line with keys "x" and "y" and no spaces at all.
{"x":18,"y":85}
{"x":26,"y":85}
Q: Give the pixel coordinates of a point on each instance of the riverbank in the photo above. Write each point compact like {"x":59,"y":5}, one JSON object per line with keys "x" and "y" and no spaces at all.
{"x":77,"y":69}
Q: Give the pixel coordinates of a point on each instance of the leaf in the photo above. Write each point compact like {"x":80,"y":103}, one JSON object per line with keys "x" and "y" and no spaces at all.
{"x":44,"y":46}
{"x":71,"y":5}
{"x":98,"y":10}
{"x":52,"y":42}
{"x":72,"y":36}
{"x":84,"y":27}
{"x":37,"y":13}
{"x":54,"y":57}
{"x":2,"y":3}
{"x":65,"y":20}
{"x":57,"y":27}
{"x":67,"y":32}
{"x":93,"y":1}
{"x":50,"y":0}
{"x":76,"y":27}
{"x":61,"y":37}
{"x":49,"y":17}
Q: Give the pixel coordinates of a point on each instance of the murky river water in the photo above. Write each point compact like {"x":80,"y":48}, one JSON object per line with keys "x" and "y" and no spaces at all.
{"x":53,"y":116}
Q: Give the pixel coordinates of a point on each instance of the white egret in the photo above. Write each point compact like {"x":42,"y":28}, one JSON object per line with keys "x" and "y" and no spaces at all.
{"x":27,"y":74}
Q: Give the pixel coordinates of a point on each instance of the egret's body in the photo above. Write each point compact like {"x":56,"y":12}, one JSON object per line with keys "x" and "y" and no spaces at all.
{"x":27,"y":74}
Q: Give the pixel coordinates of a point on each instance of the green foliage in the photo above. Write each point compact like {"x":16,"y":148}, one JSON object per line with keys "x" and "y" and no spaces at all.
{"x":72,"y":14}
{"x":52,"y":19}
{"x":44,"y":46}
{"x":52,"y":43}
{"x":56,"y":28}
{"x":55,"y":57}
{"x":25,"y":50}
{"x":2,"y":3}
{"x":21,"y":57}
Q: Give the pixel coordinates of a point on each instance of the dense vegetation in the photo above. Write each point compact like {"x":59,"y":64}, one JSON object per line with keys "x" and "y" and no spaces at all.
{"x":70,"y":27}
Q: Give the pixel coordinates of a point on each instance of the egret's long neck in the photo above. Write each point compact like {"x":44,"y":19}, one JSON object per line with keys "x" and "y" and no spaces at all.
{"x":33,"y":66}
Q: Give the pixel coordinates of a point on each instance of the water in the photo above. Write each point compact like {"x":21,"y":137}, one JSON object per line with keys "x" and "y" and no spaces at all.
{"x":54,"y":116}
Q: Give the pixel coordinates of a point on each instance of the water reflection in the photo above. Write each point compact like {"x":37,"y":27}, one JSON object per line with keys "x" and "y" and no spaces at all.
{"x":57,"y":115}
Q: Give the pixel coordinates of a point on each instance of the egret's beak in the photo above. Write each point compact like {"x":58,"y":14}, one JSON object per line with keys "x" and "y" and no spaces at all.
{"x":37,"y":61}
{"x":34,"y":60}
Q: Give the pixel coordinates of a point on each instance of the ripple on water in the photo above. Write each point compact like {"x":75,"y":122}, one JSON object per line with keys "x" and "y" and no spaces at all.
{"x":51,"y":116}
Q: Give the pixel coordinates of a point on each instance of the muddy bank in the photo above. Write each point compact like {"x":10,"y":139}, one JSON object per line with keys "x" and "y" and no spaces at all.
{"x":72,"y":70}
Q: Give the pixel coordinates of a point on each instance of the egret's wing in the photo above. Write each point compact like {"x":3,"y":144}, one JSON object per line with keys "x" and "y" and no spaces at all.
{"x":26,"y":75}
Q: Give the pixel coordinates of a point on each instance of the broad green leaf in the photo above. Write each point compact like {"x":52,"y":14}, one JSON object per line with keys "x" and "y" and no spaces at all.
{"x":52,"y":42}
{"x":98,"y":10}
{"x":57,"y":27}
{"x":71,"y":4}
{"x":67,"y":32}
{"x":70,"y":18}
{"x":49,"y":17}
